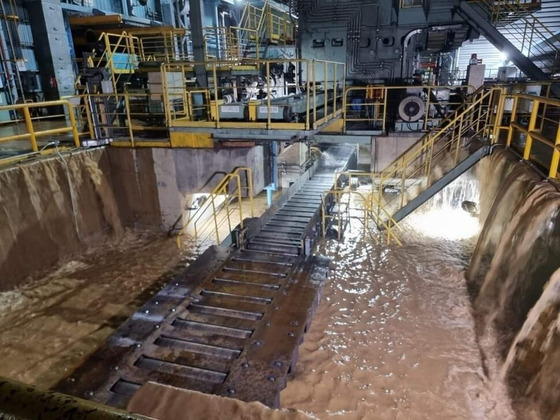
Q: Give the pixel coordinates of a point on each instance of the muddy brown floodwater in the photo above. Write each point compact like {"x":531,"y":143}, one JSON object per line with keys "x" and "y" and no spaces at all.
{"x":47,"y":326}
{"x":394,"y":338}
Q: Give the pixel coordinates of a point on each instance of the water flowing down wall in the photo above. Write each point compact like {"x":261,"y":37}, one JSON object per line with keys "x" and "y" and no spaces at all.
{"x":56,"y":208}
{"x":52,"y":209}
{"x":515,"y":283}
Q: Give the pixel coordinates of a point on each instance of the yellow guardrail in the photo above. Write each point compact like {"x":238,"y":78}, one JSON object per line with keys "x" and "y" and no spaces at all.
{"x":32,"y":132}
{"x":534,"y":129}
{"x":440,"y":148}
{"x":231,"y":43}
{"x":126,"y":117}
{"x":369,"y":207}
{"x":296,"y":104}
{"x":224,"y":200}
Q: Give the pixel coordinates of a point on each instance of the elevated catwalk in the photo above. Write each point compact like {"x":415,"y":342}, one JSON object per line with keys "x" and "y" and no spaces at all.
{"x":231,"y":323}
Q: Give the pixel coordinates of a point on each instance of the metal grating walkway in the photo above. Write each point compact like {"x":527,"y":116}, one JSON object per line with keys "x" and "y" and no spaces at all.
{"x":231,"y":323}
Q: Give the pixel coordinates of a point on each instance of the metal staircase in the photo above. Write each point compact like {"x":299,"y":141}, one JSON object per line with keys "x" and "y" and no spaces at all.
{"x":511,"y":27}
{"x":438,"y":158}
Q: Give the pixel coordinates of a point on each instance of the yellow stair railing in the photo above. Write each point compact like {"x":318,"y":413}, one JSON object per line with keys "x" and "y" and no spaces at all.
{"x":340,"y":201}
{"x":437,"y":152}
{"x":534,"y":131}
{"x":220,"y":207}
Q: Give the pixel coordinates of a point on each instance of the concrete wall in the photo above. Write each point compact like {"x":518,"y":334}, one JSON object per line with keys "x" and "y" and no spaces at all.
{"x":133,"y":178}
{"x":201,"y":169}
{"x":386,"y":149}
{"x":154,"y":186}
{"x":53,"y":209}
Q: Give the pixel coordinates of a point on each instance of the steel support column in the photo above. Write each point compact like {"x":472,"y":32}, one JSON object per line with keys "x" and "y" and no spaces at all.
{"x":196,"y":16}
{"x":51,"y":47}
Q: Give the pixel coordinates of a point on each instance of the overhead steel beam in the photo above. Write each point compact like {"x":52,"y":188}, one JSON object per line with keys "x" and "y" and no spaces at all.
{"x":196,"y":16}
{"x":473,"y":16}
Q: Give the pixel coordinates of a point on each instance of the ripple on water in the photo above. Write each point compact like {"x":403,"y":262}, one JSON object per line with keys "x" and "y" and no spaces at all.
{"x":396,"y":338}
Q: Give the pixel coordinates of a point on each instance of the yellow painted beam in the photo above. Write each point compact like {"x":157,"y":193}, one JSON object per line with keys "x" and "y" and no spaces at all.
{"x":191,"y":140}
{"x":336,"y":126}
{"x":95,"y":20}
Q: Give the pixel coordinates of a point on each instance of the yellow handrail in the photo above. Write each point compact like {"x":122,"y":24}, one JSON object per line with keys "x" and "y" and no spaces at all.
{"x":529,"y":118}
{"x":368,"y":210}
{"x":222,"y":189}
{"x":479,"y":117}
{"x":32,"y":133}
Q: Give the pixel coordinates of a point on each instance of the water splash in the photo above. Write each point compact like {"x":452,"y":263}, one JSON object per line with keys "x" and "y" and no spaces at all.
{"x":443,"y":216}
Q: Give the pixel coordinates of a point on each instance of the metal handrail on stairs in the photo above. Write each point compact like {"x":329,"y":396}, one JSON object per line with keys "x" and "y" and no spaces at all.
{"x":333,"y":199}
{"x":219,"y":207}
{"x":437,"y":152}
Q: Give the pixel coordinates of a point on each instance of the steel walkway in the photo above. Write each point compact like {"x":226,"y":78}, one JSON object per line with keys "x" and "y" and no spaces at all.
{"x":232,"y":322}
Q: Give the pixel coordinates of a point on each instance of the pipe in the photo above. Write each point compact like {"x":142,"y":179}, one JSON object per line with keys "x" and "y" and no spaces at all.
{"x":28,"y":402}
{"x":405,"y":49}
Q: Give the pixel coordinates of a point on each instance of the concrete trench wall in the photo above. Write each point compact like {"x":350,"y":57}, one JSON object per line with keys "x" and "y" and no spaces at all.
{"x":54,"y":209}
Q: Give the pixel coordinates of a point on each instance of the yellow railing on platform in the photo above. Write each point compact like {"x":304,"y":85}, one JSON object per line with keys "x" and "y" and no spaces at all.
{"x":534,"y":130}
{"x":231,"y":43}
{"x":221,"y":206}
{"x":294,"y":104}
{"x":366,"y":107}
{"x":38,"y":126}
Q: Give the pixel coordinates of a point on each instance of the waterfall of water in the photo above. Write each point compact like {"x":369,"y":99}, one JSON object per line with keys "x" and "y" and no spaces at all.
{"x":443,"y":215}
{"x":51,"y":209}
{"x":514,"y":282}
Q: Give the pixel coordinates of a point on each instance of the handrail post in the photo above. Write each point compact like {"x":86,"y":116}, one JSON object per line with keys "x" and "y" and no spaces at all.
{"x":268,"y":116}
{"x":215,"y":218}
{"x":72,"y":117}
{"x":29,"y":125}
{"x":128,"y":118}
{"x":513,"y":117}
{"x":553,"y":171}
{"x":326,"y":90}
{"x":532,"y":123}
{"x":239,"y":199}
{"x":314,"y":93}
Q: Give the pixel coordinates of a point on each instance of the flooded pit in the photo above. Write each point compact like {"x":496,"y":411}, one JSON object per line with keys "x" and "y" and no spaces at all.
{"x":394,"y":337}
{"x":51,"y":323}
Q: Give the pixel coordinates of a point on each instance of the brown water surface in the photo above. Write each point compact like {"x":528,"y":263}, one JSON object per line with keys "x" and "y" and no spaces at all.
{"x":49,"y":325}
{"x":394,"y":337}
